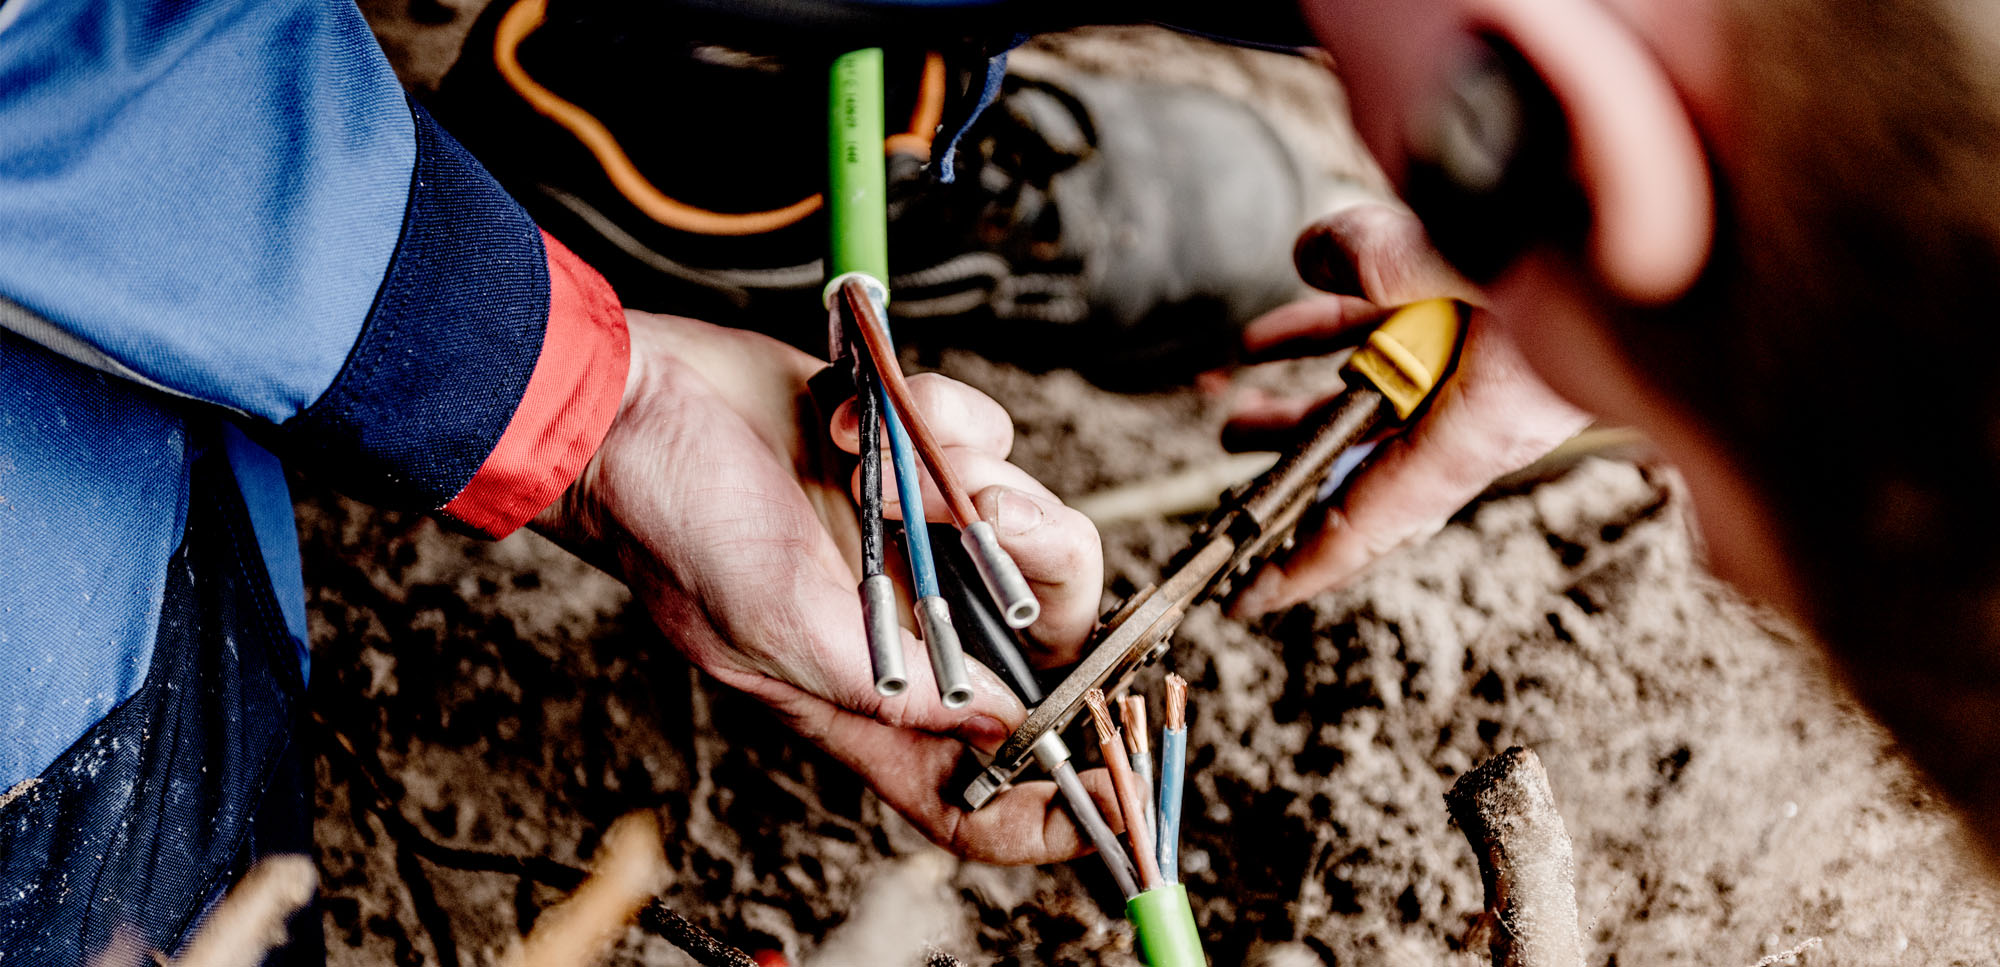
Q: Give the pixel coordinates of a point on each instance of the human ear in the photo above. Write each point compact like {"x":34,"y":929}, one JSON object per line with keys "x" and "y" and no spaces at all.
{"x":1558,"y":128}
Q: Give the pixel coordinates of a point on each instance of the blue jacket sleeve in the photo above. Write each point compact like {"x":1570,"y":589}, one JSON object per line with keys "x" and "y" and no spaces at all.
{"x":235,"y":202}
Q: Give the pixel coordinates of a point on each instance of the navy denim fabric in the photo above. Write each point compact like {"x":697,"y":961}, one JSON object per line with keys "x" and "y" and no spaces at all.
{"x":450,"y":342}
{"x":148,"y":817}
{"x":946,"y":155}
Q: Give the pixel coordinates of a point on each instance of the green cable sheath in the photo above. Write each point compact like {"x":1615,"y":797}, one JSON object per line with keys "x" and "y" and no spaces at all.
{"x":857,"y":198}
{"x":1165,"y":925}
{"x":857,"y":207}
{"x":857,"y":217}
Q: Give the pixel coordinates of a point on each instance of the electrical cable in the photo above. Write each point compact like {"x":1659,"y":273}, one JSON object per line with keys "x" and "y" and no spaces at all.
{"x":989,"y":639}
{"x":858,"y":256}
{"x":997,"y":570}
{"x":875,"y":336}
{"x":526,"y":16}
{"x":869,"y":405}
{"x":1173,"y":773}
{"x":1113,"y":748}
{"x":878,"y":591}
{"x":1084,"y":809}
{"x":980,"y":628}
{"x":933,"y":615}
{"x":926,"y":116}
{"x":909,"y":490}
{"x":1132,"y":710}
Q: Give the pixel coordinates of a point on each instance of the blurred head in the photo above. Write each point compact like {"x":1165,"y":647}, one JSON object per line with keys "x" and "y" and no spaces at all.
{"x":1786,"y":274}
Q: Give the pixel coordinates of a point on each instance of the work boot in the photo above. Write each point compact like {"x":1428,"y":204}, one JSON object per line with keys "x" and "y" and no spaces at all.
{"x":1121,"y":228}
{"x":1139,"y":226}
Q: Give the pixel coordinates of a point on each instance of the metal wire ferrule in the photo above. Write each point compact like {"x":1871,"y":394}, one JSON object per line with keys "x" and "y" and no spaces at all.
{"x":1001,"y":576}
{"x":947,"y":657}
{"x":885,"y":637}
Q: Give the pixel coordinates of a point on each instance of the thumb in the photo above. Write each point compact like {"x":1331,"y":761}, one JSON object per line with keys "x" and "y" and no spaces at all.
{"x":1378,"y":252}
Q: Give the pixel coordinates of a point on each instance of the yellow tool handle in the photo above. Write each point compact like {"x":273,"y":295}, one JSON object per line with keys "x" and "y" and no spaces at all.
{"x":1407,"y":355}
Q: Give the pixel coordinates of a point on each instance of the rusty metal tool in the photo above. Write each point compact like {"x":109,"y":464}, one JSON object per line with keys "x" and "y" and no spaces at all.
{"x":1388,"y":379}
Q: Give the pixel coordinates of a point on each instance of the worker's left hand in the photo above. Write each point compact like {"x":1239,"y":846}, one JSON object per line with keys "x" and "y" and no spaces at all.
{"x":1492,"y":417}
{"x":717,"y":497}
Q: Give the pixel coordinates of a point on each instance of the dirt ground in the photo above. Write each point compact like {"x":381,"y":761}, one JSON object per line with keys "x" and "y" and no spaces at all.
{"x":1726,"y":801}
{"x":481,"y":704}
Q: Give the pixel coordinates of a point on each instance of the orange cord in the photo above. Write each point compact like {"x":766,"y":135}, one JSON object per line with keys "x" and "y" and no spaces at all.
{"x":526,"y":16}
{"x":927,"y":115}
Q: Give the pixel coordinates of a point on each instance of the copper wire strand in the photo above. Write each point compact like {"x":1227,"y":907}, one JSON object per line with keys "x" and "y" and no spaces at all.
{"x":1176,"y":701}
{"x":1127,"y":787}
{"x":1132,"y":709}
{"x":890,"y":372}
{"x":527,"y":16}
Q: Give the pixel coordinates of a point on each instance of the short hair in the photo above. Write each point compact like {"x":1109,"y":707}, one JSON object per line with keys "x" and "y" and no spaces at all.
{"x":1844,"y":346}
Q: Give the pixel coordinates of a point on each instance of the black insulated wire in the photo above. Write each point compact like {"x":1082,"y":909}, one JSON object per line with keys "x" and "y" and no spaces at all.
{"x":980,"y":628}
{"x":869,"y":403}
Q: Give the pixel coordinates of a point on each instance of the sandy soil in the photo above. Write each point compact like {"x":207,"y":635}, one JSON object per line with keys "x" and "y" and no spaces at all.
{"x":1726,"y":801}
{"x":503,"y":701}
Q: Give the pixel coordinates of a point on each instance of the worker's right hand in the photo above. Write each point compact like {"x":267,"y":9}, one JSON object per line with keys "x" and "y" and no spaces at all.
{"x":717,"y":497}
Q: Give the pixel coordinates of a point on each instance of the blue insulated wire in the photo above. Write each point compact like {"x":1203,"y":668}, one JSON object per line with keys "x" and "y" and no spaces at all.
{"x":909,"y":480}
{"x":1173,"y":769}
{"x":909,"y":487}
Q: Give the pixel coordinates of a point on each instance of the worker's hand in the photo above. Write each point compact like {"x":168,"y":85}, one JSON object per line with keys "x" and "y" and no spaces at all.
{"x":1491,"y":418}
{"x":715,"y":496}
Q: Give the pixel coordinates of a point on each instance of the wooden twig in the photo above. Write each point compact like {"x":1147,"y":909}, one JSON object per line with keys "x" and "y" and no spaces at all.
{"x":659,"y":920}
{"x":630,"y":869}
{"x":1508,"y":814}
{"x":250,"y":921}
{"x":367,"y":772}
{"x":1191,"y":490}
{"x":655,"y":918}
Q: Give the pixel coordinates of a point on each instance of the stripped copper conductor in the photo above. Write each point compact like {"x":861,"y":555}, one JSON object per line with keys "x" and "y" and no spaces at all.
{"x":1176,"y":701}
{"x":1100,"y":716}
{"x":1132,"y":709}
{"x":1130,"y":801}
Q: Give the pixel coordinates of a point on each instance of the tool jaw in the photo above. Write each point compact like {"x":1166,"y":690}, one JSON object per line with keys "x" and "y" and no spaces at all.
{"x":1254,"y":523}
{"x":1410,"y":353}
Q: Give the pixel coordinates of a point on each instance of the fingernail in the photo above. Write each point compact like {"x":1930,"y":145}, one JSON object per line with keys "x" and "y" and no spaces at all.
{"x":984,"y":732}
{"x":1016,"y":513}
{"x":1322,"y":265}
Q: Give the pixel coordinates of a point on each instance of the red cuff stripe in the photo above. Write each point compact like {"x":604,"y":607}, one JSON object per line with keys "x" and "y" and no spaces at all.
{"x":574,"y":392}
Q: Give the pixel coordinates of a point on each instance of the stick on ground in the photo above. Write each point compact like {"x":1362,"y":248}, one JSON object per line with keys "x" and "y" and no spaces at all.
{"x":658,"y":919}
{"x":1508,"y":814}
{"x":250,"y":921}
{"x":629,"y":870}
